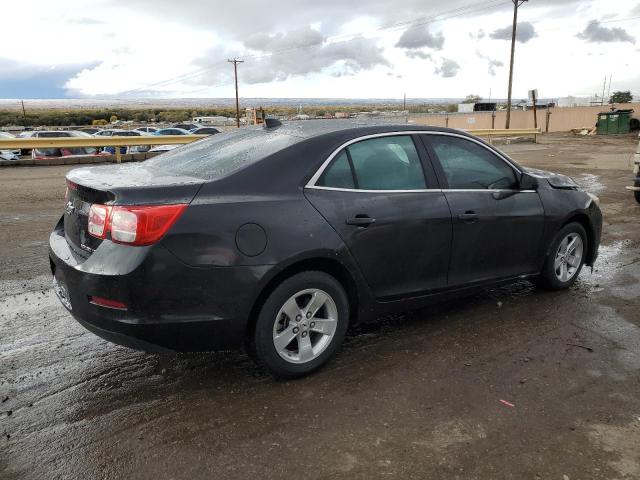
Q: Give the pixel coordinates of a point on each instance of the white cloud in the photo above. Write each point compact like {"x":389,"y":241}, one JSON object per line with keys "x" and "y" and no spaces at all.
{"x":322,"y":49}
{"x":596,"y":33}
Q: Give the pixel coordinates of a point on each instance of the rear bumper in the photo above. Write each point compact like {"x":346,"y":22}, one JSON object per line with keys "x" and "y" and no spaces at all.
{"x":170,"y":306}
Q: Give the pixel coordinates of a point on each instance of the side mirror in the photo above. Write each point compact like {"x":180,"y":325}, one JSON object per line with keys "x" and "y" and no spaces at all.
{"x":528,"y":182}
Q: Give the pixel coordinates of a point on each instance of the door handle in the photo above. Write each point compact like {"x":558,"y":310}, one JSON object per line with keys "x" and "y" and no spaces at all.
{"x":469,"y":216}
{"x":361,"y":220}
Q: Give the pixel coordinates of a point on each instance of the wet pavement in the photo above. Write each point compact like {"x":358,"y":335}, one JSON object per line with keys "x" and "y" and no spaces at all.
{"x":511,"y":383}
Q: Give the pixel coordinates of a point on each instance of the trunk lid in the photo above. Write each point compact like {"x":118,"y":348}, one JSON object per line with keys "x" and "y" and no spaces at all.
{"x":131,"y":184}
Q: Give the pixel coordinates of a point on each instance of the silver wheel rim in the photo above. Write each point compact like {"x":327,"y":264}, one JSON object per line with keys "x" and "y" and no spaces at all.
{"x":568,"y":257}
{"x":305,"y":325}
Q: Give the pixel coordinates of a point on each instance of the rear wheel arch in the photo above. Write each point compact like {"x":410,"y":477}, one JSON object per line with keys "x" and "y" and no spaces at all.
{"x":327,"y":265}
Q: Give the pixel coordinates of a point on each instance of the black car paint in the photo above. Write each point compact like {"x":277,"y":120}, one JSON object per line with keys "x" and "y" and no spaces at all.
{"x":197,"y":289}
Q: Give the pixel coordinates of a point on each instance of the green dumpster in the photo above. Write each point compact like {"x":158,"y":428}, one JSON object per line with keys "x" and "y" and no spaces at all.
{"x":611,"y":123}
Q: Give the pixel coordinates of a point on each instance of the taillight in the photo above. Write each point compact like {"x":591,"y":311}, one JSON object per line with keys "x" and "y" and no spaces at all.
{"x":67,"y":192}
{"x":98,"y":218}
{"x":133,"y":225}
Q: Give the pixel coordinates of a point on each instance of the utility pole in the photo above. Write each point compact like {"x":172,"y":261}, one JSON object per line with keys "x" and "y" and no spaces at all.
{"x":235,"y":62}
{"x":535,"y":111}
{"x":24,"y":113}
{"x":404,"y":102}
{"x":516,"y":4}
{"x":604,"y":86}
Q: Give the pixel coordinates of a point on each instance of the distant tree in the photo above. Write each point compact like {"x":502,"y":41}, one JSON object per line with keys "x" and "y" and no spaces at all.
{"x":113,"y":119}
{"x":621,"y":97}
{"x":99,"y":122}
{"x":472,"y":99}
{"x":451,"y":108}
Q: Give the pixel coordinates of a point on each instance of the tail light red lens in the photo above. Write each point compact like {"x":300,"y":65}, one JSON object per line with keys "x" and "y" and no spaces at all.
{"x":133,"y":225}
{"x":98,"y":218}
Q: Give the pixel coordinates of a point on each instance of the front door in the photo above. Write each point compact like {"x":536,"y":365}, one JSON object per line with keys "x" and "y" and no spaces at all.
{"x":390,"y":214}
{"x":497,"y":228}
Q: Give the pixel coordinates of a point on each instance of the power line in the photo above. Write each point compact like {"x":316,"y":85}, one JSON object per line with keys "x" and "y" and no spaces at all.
{"x":457,"y":12}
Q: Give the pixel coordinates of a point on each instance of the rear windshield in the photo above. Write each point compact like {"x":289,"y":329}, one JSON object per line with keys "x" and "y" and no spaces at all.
{"x":220,"y":155}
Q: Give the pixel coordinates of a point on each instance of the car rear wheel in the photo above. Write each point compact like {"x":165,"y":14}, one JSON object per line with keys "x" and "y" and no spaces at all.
{"x":566,"y":257}
{"x":301,"y":324}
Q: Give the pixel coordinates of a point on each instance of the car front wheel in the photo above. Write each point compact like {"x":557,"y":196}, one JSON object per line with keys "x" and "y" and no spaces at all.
{"x":301,"y":324}
{"x":566,"y":257}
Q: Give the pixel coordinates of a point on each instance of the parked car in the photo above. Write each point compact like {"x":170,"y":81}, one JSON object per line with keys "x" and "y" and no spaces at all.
{"x":109,"y":132}
{"x":204,"y":131}
{"x":636,"y":173}
{"x":25,"y":134}
{"x":163,"y":148}
{"x":172,"y":131}
{"x":89,"y":130}
{"x":186,"y":126}
{"x":10,"y":154}
{"x":47,"y":153}
{"x":281,"y":237}
{"x":124,"y":150}
{"x":147,"y":130}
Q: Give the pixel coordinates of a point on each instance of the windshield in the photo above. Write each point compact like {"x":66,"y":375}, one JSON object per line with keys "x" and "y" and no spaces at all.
{"x":218,"y":156}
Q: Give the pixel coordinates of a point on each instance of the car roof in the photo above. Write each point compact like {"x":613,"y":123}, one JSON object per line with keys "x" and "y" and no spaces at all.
{"x":314,"y":128}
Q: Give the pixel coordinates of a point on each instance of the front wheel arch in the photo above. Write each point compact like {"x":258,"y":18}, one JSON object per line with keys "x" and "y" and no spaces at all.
{"x":583,"y":219}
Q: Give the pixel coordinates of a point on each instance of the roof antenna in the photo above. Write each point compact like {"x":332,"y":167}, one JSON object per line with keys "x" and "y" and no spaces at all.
{"x":272,"y":123}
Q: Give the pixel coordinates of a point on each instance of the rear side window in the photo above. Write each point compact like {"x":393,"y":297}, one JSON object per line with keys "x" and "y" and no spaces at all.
{"x":383,"y":163}
{"x":339,"y":175}
{"x":221,"y":155}
{"x":469,"y":166}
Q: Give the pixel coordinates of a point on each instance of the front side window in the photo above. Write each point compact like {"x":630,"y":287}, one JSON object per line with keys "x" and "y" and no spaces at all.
{"x":469,"y":166}
{"x":382,"y":163}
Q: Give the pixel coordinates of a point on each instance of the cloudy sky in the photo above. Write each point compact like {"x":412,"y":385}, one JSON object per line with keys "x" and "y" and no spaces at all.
{"x":303,"y":48}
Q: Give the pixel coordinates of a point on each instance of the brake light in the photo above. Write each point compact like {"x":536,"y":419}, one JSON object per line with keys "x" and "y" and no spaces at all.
{"x":133,"y":225}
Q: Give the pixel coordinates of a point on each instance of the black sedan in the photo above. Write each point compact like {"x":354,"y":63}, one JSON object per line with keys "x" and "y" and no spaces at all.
{"x":281,"y":237}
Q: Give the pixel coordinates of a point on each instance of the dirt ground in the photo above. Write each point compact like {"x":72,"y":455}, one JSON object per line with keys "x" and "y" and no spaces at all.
{"x":413,"y":396}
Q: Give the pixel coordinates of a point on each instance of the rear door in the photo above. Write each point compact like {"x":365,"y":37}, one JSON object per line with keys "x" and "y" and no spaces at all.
{"x":497,"y":227}
{"x":388,"y":209}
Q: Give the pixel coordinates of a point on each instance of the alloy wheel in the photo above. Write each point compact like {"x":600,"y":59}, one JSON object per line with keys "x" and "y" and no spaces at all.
{"x":568,"y":257}
{"x":305,"y":325}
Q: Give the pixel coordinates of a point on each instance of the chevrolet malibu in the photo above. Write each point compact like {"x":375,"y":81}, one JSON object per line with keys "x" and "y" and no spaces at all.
{"x":281,"y":237}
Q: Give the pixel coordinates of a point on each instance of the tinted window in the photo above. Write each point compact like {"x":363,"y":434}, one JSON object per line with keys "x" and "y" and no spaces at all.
{"x":338,"y":175}
{"x":387,"y":163}
{"x":468,"y":165}
{"x":221,"y":155}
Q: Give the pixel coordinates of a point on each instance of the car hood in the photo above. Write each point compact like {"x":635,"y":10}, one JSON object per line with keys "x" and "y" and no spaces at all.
{"x":556,"y":180}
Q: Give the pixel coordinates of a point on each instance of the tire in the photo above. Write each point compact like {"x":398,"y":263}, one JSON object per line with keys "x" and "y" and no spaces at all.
{"x":637,"y":195}
{"x":302,"y":348}
{"x":561,"y":269}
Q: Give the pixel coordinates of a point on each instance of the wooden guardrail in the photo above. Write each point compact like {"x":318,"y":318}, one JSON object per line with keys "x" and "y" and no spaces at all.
{"x":115,"y":141}
{"x":490,"y":133}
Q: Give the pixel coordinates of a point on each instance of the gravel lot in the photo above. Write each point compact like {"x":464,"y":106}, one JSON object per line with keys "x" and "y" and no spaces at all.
{"x":412,"y":396}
